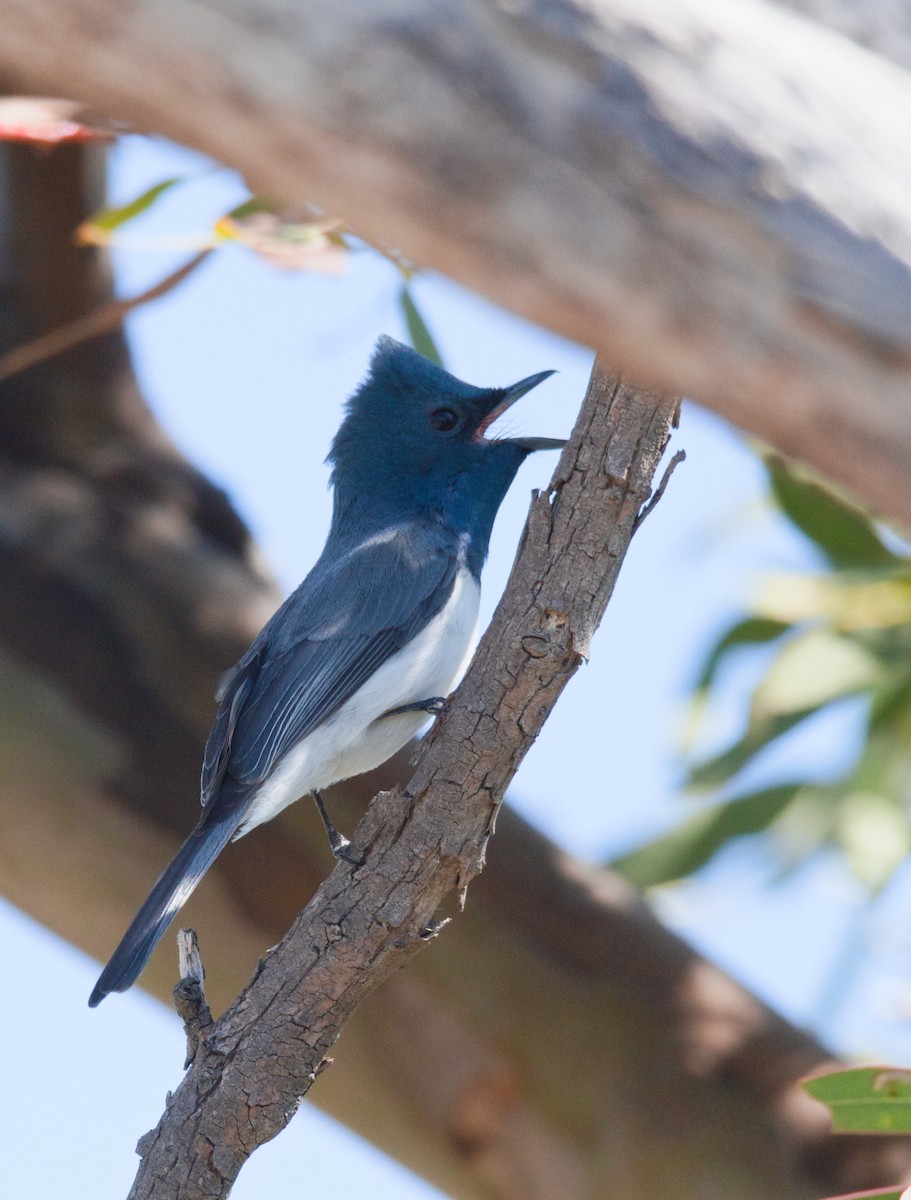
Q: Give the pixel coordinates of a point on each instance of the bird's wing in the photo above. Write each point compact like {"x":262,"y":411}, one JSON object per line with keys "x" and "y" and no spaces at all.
{"x":360,"y":604}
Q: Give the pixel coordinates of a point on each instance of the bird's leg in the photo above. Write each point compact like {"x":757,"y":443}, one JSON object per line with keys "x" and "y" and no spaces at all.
{"x":338,"y":843}
{"x":433,"y":706}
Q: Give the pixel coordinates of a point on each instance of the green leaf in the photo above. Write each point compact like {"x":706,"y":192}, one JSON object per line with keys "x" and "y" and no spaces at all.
{"x":692,"y":844}
{"x":421,"y":337}
{"x":874,"y":602}
{"x":891,"y":706}
{"x":251,"y":207}
{"x":812,"y":670}
{"x":753,"y":631}
{"x":874,"y":832}
{"x":865,"y":1099}
{"x":713,"y":772}
{"x":806,"y":825}
{"x":108,"y":219}
{"x":843,"y":533}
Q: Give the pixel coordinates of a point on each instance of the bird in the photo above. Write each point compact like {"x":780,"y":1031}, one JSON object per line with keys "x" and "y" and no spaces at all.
{"x":377,"y":635}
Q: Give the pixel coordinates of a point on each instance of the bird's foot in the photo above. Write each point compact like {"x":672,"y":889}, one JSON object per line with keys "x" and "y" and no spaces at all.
{"x":338,"y":843}
{"x":433,"y":706}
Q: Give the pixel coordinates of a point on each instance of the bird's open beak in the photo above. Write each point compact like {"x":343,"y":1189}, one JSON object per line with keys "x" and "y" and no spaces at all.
{"x":509,"y":396}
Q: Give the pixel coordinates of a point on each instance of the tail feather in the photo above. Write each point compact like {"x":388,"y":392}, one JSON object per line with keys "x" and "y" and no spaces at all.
{"x":170,"y":893}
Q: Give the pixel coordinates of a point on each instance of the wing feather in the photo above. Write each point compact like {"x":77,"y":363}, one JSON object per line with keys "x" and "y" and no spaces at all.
{"x":361,"y":603}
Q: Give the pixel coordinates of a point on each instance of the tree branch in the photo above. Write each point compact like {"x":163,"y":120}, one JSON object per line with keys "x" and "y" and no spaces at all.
{"x":655,"y":499}
{"x":189,"y":993}
{"x":713,"y":196}
{"x":880,"y":25}
{"x":103,"y":320}
{"x":421,"y":842}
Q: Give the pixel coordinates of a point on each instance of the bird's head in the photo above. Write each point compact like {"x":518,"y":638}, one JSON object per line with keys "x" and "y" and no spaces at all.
{"x":416,"y":437}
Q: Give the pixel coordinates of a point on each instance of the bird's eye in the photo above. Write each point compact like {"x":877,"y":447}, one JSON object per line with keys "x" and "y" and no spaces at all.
{"x":443,"y":420}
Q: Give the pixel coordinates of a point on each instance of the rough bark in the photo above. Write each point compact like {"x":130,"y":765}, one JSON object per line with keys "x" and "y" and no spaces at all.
{"x":717,"y":197}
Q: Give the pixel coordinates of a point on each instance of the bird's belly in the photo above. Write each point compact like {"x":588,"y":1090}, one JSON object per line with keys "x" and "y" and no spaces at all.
{"x":358,"y":737}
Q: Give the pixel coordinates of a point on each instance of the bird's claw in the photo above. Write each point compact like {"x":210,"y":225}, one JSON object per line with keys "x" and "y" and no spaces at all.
{"x":340,"y":847}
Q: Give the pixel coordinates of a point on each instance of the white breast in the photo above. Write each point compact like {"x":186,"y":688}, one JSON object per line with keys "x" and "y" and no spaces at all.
{"x":358,"y":737}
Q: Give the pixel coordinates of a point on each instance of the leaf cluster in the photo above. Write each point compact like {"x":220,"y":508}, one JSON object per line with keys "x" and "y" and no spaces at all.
{"x":292,"y":242}
{"x":841,"y":632}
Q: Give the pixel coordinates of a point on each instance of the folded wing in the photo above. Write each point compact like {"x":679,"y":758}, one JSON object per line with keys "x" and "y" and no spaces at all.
{"x":361,"y":604}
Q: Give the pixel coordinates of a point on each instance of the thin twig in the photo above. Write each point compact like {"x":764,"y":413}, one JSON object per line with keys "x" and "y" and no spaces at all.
{"x":94,"y":324}
{"x":656,"y":495}
{"x":189,"y":997}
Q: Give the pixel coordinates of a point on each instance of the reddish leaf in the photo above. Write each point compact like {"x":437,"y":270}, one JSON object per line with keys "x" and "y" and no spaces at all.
{"x":44,"y":120}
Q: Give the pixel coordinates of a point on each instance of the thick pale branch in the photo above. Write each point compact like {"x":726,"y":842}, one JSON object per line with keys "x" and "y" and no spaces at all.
{"x":880,"y":25}
{"x":718,"y":197}
{"x":422,"y":842}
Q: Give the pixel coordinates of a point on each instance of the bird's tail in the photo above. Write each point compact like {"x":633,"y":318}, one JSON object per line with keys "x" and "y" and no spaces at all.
{"x":170,"y":893}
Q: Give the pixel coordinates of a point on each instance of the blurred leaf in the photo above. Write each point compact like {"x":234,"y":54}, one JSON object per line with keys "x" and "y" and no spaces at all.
{"x":865,"y":1099}
{"x":882,"y":602}
{"x":45,"y":120}
{"x":841,"y":632}
{"x":291,"y":245}
{"x":807,"y":824}
{"x":873,"y":604}
{"x":812,"y":670}
{"x":891,"y":705}
{"x":809,"y":672}
{"x":844,"y":534}
{"x":697,"y":840}
{"x":752,"y":631}
{"x":875,"y":834}
{"x":715,"y":771}
{"x":247,"y":208}
{"x":421,"y":337}
{"x":97,"y":230}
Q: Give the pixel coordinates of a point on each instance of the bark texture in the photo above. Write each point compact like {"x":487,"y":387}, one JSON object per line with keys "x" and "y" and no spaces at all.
{"x":717,"y":197}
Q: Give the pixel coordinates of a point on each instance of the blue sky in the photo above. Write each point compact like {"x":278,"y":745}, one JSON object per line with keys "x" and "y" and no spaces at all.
{"x":247,"y":368}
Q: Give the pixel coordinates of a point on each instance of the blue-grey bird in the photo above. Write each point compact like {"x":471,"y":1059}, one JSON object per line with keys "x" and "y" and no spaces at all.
{"x":346,"y":671}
